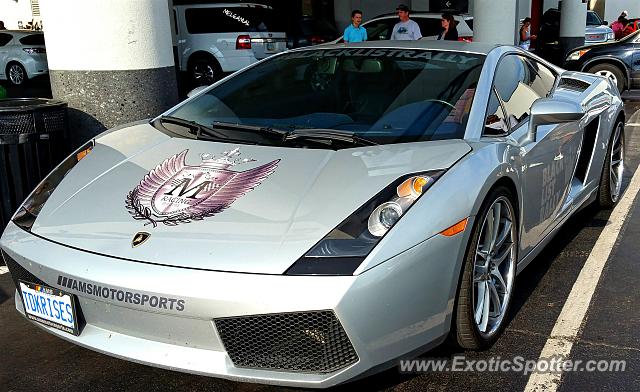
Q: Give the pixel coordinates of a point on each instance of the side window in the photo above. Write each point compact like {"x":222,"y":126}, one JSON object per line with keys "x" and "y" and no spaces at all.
{"x":496,"y":121}
{"x":514,"y":87}
{"x":429,"y":26}
{"x":543,"y":79}
{"x":380,"y":30}
{"x":5,"y":38}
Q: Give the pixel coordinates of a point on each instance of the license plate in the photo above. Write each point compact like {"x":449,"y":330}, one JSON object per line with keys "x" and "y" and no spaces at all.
{"x":49,"y":306}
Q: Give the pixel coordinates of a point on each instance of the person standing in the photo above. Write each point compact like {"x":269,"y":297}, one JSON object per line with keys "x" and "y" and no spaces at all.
{"x":406,"y":29}
{"x":525,"y":35}
{"x":449,"y":29}
{"x":618,"y":26}
{"x":354,"y":32}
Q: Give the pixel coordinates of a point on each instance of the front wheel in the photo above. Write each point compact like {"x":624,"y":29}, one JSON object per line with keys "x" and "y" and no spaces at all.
{"x":610,"y":72}
{"x":16,"y":74}
{"x":612,"y":169}
{"x":488,"y":274}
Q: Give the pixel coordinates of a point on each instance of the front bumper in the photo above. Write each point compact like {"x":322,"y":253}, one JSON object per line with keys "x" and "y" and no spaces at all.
{"x":396,"y":308}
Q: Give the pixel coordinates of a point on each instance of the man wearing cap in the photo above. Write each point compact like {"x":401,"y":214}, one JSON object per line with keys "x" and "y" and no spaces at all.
{"x":406,"y":29}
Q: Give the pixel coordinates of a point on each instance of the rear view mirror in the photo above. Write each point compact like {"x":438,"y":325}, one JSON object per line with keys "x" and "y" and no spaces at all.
{"x":546,"y":111}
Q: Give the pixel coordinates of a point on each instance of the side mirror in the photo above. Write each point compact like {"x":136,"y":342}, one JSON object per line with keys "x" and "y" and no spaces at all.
{"x":604,"y":22}
{"x":546,"y":111}
{"x":196,"y":90}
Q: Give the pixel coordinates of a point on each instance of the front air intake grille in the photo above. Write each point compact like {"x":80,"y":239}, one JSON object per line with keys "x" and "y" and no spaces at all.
{"x":573,"y":84}
{"x":19,"y":273}
{"x":305,"y":342}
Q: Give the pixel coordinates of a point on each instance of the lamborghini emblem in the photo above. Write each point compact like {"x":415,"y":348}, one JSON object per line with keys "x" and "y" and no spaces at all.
{"x":139,"y":239}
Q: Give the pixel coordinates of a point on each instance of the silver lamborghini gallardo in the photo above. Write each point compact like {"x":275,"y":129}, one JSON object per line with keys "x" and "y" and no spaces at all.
{"x":320,"y":214}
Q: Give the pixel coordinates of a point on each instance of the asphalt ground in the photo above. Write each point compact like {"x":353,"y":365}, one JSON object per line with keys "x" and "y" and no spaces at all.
{"x":31,"y":359}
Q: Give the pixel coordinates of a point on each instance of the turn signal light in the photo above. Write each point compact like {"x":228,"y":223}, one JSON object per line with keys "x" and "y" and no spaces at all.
{"x":455,"y":229}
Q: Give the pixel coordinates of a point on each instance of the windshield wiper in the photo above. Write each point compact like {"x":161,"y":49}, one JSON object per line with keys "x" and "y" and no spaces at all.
{"x":194,"y":127}
{"x":329,"y":134}
{"x":249,"y":128}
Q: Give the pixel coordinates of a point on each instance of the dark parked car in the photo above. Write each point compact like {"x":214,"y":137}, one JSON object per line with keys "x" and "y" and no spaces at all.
{"x":311,"y":31}
{"x":619,"y":61}
{"x":596,"y":31}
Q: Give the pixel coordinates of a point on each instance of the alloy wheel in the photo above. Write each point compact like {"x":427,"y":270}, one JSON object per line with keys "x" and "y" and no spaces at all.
{"x":609,"y":75}
{"x":616,"y":165}
{"x":494,"y":267}
{"x":16,"y":74}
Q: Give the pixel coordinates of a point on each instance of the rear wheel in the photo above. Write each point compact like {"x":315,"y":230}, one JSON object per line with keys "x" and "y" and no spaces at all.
{"x":488,"y":273}
{"x":16,"y":74}
{"x":610,"y":72}
{"x":204,"y":71}
{"x":612,"y":170}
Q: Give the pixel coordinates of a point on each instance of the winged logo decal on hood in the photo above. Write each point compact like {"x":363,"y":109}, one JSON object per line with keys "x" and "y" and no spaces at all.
{"x":174,"y":192}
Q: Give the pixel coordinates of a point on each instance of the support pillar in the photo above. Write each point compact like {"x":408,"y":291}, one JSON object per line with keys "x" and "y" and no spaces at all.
{"x":494,"y":21}
{"x":573,"y":21}
{"x":112,"y":61}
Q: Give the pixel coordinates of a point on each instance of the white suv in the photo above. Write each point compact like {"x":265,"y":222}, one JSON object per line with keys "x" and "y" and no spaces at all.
{"x":214,"y":39}
{"x":22,"y":55}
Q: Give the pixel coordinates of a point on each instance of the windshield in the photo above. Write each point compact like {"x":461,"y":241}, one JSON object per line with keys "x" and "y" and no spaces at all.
{"x":384,"y":95}
{"x":593,"y":19}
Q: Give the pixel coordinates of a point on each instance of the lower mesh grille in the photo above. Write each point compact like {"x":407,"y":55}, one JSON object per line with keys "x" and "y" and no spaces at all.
{"x":306,"y":342}
{"x":19,"y":273}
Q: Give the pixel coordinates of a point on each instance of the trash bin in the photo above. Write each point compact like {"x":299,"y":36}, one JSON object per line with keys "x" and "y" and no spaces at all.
{"x":33,"y":140}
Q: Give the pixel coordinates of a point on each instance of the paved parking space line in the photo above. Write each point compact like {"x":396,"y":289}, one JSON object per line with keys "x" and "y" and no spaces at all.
{"x":3,"y":269}
{"x":568,"y":324}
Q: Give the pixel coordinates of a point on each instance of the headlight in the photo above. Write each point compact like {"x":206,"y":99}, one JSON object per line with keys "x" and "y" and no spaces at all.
{"x":31,"y":207}
{"x":610,"y":36}
{"x":573,"y":56}
{"x":342,"y":250}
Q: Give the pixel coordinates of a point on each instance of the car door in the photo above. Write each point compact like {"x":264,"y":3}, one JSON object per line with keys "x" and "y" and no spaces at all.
{"x":4,"y":53}
{"x":379,"y":30}
{"x":546,"y":164}
{"x":635,"y":63}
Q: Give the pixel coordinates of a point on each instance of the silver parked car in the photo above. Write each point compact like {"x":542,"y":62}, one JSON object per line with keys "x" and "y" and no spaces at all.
{"x":22,"y":55}
{"x":214,"y":39}
{"x":319,"y":214}
{"x":381,"y":27}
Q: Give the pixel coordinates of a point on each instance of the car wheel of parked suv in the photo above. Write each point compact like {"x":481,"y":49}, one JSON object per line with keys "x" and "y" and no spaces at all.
{"x":16,"y":74}
{"x":611,"y":72}
{"x":204,"y":71}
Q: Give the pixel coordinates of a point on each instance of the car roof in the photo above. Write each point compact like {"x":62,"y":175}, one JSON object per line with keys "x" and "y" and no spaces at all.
{"x":414,"y":14}
{"x":22,"y":32}
{"x":220,"y":5}
{"x":456,"y":46}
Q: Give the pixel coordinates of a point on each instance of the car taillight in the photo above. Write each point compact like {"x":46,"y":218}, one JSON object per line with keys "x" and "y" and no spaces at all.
{"x":243,"y":42}
{"x":315,"y":39}
{"x":465,"y":39}
{"x":35,"y":50}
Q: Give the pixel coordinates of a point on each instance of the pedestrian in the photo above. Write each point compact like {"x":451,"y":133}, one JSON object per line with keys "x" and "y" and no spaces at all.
{"x":354,"y":32}
{"x":449,"y":29}
{"x":406,"y":29}
{"x":2,"y":25}
{"x":525,"y":36}
{"x":618,"y":26}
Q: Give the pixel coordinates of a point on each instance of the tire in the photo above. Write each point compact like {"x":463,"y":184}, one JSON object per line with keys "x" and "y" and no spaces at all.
{"x":204,"y":71}
{"x":16,"y":74}
{"x":476,"y":281}
{"x":612,"y":169}
{"x":612,"y":72}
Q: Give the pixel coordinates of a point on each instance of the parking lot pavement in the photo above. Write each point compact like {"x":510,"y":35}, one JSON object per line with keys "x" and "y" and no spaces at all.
{"x":34,"y":360}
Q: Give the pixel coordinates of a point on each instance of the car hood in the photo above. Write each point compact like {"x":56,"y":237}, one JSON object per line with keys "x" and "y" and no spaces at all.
{"x":218,"y":206}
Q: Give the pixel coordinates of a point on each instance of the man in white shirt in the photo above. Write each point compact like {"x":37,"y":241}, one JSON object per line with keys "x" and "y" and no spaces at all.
{"x":406,"y":29}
